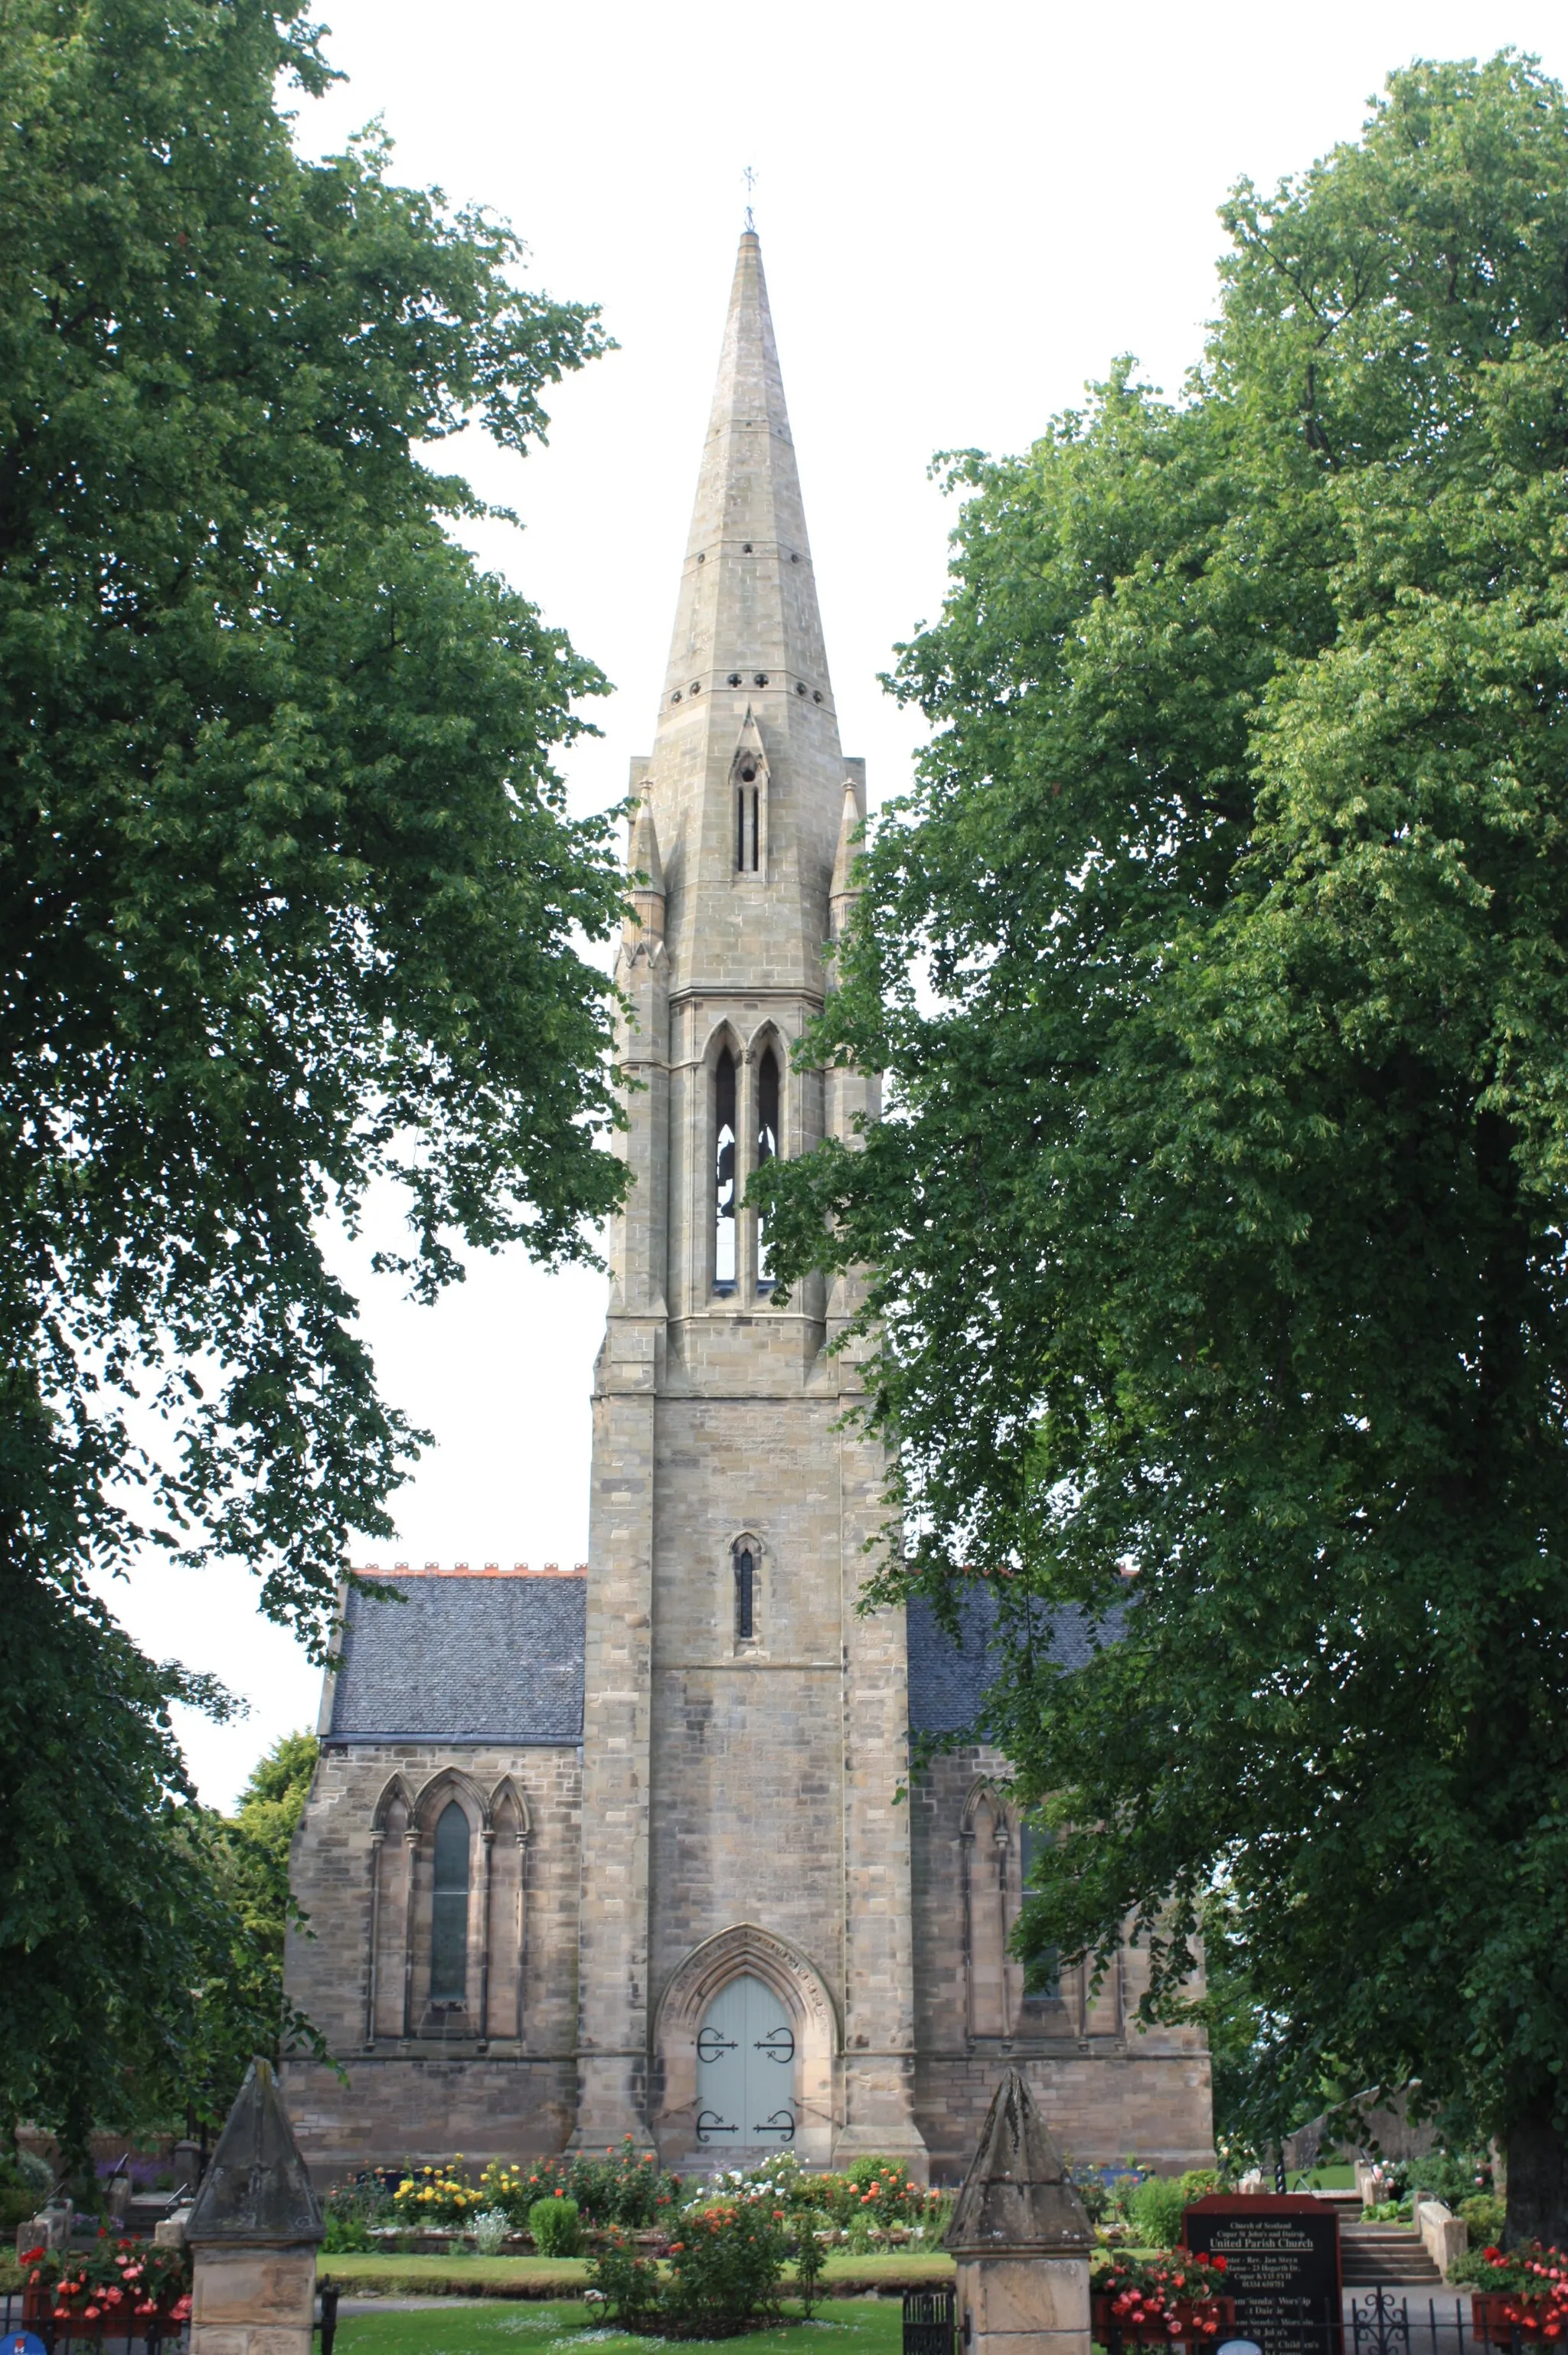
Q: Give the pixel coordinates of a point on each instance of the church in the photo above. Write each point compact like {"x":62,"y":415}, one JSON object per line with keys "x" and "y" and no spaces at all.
{"x":635,"y":1848}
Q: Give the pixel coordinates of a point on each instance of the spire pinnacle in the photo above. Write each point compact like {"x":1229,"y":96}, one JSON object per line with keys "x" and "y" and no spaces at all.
{"x":647,"y":871}
{"x":843,"y":891}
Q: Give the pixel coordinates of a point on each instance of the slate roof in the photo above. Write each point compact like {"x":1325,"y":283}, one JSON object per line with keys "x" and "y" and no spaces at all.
{"x":480,"y":1656}
{"x":496,"y":1656}
{"x":947,"y":1678}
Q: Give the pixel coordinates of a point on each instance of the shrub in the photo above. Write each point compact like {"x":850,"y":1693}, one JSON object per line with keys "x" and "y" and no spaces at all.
{"x":491,"y":2227}
{"x":554,"y":2223}
{"x":1451,"y":2175}
{"x":351,"y":2209}
{"x":725,"y":2269}
{"x":808,"y":2250}
{"x":628,"y":2286}
{"x":726,"y":2263}
{"x":625,"y":2187}
{"x":1486,"y":2215}
{"x":1155,"y":2208}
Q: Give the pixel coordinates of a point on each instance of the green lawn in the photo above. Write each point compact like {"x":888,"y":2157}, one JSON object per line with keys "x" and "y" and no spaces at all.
{"x":861,"y":2326}
{"x":555,"y":2277}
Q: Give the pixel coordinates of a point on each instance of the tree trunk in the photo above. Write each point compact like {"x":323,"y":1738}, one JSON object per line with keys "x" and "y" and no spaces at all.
{"x":1537,"y":2177}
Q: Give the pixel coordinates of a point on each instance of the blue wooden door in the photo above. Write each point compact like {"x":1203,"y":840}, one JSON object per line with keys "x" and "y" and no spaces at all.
{"x":745,"y":2069}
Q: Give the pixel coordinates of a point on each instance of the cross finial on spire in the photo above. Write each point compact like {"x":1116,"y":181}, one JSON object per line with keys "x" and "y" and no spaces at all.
{"x":750,"y":177}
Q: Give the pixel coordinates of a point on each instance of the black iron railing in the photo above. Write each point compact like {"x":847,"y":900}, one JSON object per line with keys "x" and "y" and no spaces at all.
{"x":928,"y":2321}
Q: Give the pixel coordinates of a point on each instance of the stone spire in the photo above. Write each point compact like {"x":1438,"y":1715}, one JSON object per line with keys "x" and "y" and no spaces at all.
{"x":735,"y":615}
{"x":747,"y":700}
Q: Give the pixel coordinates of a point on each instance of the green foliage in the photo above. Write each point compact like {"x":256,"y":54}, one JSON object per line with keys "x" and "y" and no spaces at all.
{"x":1485,"y":2214}
{"x":725,"y":2268}
{"x":131,"y":1986}
{"x":555,"y":2227}
{"x":1451,"y":2175}
{"x":626,"y":2187}
{"x":352,"y":2210}
{"x":808,"y":2252}
{"x":1219,"y":963}
{"x":623,"y":2286}
{"x":292,"y":904}
{"x":491,"y":2227}
{"x":1155,"y":2208}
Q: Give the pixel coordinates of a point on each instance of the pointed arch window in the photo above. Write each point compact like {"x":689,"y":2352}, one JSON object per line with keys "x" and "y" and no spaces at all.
{"x":745,"y":1591}
{"x":724,"y":1173}
{"x":767,"y":1142}
{"x":449,"y":1908}
{"x":1042,"y":1973}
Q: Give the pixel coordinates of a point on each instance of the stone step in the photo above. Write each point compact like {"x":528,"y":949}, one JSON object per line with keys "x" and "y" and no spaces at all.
{"x":1369,"y":2256}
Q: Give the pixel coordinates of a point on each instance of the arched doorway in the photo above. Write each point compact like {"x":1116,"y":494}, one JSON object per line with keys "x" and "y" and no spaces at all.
{"x":746,"y":2069}
{"x":693,"y":2001}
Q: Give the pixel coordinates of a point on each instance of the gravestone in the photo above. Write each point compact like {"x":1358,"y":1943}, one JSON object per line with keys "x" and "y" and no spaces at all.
{"x":1282,"y":2266}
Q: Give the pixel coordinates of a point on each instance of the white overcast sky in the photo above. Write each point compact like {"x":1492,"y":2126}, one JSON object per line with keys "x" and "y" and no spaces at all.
{"x":966,"y":211}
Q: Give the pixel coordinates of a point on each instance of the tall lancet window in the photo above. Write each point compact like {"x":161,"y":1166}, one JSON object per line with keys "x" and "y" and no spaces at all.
{"x":724,"y":1174}
{"x":767,"y":1142}
{"x":449,"y":1909}
{"x":745,"y":1592}
{"x":748,"y":818}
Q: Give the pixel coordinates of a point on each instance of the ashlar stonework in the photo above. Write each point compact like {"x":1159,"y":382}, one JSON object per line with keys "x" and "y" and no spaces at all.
{"x":559,"y":1819}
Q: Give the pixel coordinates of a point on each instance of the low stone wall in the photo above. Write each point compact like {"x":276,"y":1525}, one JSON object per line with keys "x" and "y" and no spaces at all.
{"x":1444,"y":2235}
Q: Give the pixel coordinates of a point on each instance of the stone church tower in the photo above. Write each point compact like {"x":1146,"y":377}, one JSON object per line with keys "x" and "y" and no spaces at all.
{"x":615,"y":1849}
{"x":745,"y":1731}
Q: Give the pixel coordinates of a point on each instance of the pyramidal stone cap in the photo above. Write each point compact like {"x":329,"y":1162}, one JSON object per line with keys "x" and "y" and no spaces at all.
{"x":1016,"y":2196}
{"x":257,"y":2189}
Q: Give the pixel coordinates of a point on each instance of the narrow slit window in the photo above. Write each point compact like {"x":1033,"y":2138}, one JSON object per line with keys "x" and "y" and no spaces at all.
{"x":745,"y":1594}
{"x":449,"y":1909}
{"x":748,"y":818}
{"x":724,"y":1174}
{"x":767,"y":1142}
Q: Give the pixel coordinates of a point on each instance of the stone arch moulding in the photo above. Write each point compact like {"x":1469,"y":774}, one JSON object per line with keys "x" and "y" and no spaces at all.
{"x":397,"y":1789}
{"x":508,"y":1788}
{"x":452,"y":1783}
{"x":723,"y":1034}
{"x":799,"y":1986}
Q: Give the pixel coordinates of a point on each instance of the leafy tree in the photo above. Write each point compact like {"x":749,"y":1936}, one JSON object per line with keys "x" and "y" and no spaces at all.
{"x":110,"y":1916}
{"x":1219,"y":959}
{"x":288,"y":896}
{"x":240,"y":2007}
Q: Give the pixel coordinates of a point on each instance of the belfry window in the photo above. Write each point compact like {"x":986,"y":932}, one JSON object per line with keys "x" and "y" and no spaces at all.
{"x":767,"y":1142}
{"x":745,"y":1594}
{"x":449,"y":1908}
{"x":724,"y":1174}
{"x":748,"y":819}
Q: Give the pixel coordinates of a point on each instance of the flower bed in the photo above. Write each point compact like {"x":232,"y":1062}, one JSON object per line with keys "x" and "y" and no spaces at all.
{"x":1180,"y":2298}
{"x":119,"y":2285}
{"x":626,"y":2187}
{"x":1516,"y":2290}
